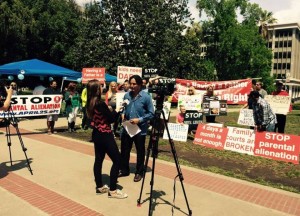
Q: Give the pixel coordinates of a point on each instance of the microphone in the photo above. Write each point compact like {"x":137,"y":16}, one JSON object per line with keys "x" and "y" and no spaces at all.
{"x":124,"y":104}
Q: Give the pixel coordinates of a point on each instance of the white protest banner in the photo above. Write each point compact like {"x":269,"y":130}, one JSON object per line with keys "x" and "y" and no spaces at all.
{"x":33,"y":105}
{"x":240,"y":140}
{"x":178,"y":132}
{"x":190,"y":102}
{"x":119,"y":100}
{"x":93,"y":73}
{"x":124,"y":73}
{"x":280,"y":104}
{"x":246,"y":117}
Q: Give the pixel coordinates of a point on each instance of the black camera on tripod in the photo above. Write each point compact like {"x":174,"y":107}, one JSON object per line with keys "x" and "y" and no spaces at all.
{"x":163,"y":86}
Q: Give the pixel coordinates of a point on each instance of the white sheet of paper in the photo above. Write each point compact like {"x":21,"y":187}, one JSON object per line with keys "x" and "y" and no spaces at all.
{"x":132,"y":129}
{"x":214,"y":104}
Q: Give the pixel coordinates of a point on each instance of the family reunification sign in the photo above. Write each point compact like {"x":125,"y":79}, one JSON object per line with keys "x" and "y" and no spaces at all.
{"x":93,"y":73}
{"x":33,"y":105}
{"x":276,"y":146}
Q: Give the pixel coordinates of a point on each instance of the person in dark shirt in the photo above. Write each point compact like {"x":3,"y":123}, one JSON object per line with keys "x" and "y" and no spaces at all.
{"x":104,"y":143}
{"x":51,"y":119}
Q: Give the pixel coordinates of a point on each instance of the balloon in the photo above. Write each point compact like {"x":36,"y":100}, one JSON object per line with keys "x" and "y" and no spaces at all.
{"x":64,"y":78}
{"x":50,"y":78}
{"x":10,"y":77}
{"x":22,"y":71}
{"x":79,"y":80}
{"x":20,"y":76}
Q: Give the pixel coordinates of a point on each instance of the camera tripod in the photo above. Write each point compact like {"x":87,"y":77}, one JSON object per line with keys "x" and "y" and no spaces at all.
{"x":153,"y":147}
{"x":10,"y":119}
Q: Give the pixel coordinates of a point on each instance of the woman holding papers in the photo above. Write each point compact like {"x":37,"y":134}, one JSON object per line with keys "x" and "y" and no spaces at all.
{"x":104,"y":143}
{"x":138,"y":111}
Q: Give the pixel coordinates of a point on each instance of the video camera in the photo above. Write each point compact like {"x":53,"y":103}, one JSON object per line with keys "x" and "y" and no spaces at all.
{"x":163,"y":86}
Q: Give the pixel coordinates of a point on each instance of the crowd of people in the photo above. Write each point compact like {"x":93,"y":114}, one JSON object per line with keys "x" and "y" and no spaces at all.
{"x":102,"y":116}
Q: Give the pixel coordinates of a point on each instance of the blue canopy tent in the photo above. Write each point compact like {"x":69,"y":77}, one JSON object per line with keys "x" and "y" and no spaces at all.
{"x":35,"y":67}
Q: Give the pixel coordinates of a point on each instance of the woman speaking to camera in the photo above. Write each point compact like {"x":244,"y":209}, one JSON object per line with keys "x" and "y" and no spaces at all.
{"x":104,"y":143}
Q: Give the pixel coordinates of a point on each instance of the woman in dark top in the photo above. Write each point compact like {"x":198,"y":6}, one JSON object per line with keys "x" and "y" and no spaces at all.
{"x":104,"y":143}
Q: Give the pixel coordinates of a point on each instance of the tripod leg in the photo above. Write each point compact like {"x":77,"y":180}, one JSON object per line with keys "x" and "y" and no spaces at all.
{"x":151,"y":186}
{"x":8,"y":139}
{"x":177,"y":165}
{"x":144,"y":171}
{"x":23,"y":147}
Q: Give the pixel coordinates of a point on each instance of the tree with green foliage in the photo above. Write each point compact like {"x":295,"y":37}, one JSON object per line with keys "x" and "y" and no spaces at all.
{"x":134,"y":33}
{"x":16,"y":24}
{"x":41,"y":29}
{"x":237,"y":49}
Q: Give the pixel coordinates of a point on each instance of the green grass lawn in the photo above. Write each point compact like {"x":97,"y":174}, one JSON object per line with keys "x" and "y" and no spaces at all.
{"x":260,"y":170}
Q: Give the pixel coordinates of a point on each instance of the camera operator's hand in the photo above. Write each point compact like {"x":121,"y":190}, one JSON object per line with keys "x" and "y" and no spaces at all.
{"x":6,"y":103}
{"x":9,"y":91}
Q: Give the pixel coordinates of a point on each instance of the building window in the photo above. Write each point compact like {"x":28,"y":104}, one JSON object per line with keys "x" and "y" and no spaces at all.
{"x":279,"y":66}
{"x":270,"y":45}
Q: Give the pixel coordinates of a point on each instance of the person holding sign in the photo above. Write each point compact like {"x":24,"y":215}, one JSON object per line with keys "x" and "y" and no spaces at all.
{"x":180,"y":115}
{"x":281,"y":118}
{"x":51,"y":118}
{"x":263,"y":115}
{"x":191,"y":90}
{"x":72,"y":99}
{"x":104,"y":143}
{"x":138,"y":111}
{"x":210,"y":96}
{"x":111,"y":95}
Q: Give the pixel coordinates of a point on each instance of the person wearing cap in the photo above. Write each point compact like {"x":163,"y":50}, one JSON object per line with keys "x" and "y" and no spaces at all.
{"x":263,"y":115}
{"x":281,"y":118}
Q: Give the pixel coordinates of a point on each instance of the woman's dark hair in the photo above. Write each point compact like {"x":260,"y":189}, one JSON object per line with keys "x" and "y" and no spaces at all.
{"x":138,"y":79}
{"x":93,"y":89}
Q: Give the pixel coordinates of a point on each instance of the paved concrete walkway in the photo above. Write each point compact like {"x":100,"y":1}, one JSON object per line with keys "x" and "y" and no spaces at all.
{"x":62,"y":184}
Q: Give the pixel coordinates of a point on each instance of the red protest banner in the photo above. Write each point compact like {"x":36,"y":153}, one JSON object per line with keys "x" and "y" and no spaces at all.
{"x":283,"y":147}
{"x":210,"y":136}
{"x":234,"y":91}
{"x":93,"y":73}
